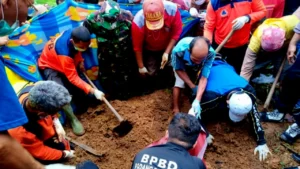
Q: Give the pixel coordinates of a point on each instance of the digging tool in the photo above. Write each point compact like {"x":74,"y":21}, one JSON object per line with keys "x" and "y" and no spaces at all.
{"x":225,"y":40}
{"x":271,"y":92}
{"x":85,"y":147}
{"x":125,"y":126}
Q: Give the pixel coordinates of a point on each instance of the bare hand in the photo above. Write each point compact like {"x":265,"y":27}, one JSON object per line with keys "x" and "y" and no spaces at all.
{"x":291,"y":54}
{"x":3,"y":40}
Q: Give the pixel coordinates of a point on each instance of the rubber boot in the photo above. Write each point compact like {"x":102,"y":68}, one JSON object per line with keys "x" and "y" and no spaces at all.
{"x":75,"y":123}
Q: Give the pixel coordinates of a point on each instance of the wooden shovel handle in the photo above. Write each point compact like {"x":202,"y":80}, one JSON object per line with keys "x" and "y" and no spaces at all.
{"x":120,"y":118}
{"x":224,"y":41}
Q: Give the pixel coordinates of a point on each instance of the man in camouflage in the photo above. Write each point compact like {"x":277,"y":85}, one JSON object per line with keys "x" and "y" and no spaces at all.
{"x":116,"y":60}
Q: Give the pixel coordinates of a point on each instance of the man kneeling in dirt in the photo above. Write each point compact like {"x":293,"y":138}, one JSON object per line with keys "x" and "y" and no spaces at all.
{"x":183,"y":132}
{"x":226,"y":90}
{"x":41,"y":102}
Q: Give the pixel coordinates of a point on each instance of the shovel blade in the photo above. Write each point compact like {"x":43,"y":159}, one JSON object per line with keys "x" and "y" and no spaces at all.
{"x":123,"y":128}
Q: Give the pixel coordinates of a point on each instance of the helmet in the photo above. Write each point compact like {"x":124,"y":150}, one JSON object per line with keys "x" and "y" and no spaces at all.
{"x":240,"y":104}
{"x":272,"y":39}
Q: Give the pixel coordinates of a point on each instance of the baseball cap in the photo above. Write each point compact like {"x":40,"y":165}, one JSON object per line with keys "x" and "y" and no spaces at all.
{"x":240,"y":104}
{"x":154,"y":14}
{"x":272,"y":39}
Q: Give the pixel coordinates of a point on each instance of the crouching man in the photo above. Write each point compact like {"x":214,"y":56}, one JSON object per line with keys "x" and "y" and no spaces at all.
{"x":227,"y":92}
{"x":43,"y":135}
{"x":183,"y":132}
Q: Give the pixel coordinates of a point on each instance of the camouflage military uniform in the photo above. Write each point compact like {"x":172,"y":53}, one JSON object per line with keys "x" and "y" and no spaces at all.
{"x":117,"y":65}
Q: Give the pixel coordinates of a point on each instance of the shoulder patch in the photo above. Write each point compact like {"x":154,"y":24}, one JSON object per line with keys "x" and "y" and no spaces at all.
{"x":224,"y":13}
{"x":139,"y":19}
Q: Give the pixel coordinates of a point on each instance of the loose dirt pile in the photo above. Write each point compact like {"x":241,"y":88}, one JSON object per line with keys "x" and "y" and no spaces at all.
{"x":232,"y":148}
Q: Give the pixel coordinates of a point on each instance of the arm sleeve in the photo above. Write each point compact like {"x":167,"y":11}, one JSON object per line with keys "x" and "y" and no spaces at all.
{"x":257,"y":127}
{"x":259,"y":11}
{"x":176,"y":26}
{"x":208,"y":63}
{"x":297,"y":28}
{"x":137,"y":37}
{"x":248,"y":64}
{"x":177,"y":62}
{"x":278,"y":10}
{"x":210,"y":23}
{"x":35,"y":146}
{"x":71,"y":74}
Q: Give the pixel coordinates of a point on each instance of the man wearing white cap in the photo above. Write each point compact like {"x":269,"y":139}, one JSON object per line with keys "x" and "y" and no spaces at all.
{"x":227,"y":92}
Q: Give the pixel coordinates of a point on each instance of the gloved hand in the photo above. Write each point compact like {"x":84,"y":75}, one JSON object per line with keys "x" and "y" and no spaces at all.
{"x":263,"y":151}
{"x":239,"y":22}
{"x":210,"y":139}
{"x":69,"y":154}
{"x":98,"y":94}
{"x":59,"y":129}
{"x":59,"y":166}
{"x":143,"y":70}
{"x":194,"y":12}
{"x":164,"y":60}
{"x":196,"y":108}
{"x":194,"y":90}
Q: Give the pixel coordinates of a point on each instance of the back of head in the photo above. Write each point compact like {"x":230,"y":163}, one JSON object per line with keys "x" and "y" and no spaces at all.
{"x":199,"y":48}
{"x":184,"y":128}
{"x":81,"y":33}
{"x":272,"y":39}
{"x":48,"y":97}
{"x":240,"y":104}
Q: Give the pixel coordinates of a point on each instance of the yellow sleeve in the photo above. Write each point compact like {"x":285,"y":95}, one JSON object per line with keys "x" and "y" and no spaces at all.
{"x":290,"y":23}
{"x":254,"y":44}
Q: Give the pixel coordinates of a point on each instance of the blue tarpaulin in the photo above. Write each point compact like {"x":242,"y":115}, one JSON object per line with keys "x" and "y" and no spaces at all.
{"x":27,"y":42}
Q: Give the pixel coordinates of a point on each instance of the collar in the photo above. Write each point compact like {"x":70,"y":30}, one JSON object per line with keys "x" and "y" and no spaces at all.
{"x":187,"y":57}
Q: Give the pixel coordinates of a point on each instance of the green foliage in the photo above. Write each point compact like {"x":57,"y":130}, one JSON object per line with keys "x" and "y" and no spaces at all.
{"x":49,"y":2}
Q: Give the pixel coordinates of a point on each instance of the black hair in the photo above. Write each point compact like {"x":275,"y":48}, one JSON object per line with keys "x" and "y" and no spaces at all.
{"x":192,"y":44}
{"x":91,"y":1}
{"x":185,"y":128}
{"x":81,"y":33}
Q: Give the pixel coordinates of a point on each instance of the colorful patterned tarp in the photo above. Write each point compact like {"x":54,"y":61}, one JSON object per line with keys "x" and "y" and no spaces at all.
{"x":27,"y":42}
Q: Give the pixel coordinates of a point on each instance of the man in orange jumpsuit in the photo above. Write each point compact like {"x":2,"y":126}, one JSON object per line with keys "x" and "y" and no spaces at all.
{"x":224,"y":15}
{"x":61,"y":61}
{"x":41,"y":102}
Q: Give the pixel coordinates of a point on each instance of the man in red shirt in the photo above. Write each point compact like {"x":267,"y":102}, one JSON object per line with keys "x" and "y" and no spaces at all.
{"x":155,"y":30}
{"x":224,"y":15}
{"x":61,"y":61}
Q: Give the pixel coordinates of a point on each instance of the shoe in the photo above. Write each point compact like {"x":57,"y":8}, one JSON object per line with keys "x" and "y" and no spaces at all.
{"x":296,"y":157}
{"x":274,"y":116}
{"x":291,"y":134}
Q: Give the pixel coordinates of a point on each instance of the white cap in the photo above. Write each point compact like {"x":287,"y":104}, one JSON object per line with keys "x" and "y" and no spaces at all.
{"x":240,"y":104}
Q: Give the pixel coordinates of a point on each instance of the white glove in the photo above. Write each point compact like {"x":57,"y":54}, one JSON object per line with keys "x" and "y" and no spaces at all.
{"x":69,"y":154}
{"x":164,"y":60}
{"x":59,"y":166}
{"x":210,"y":139}
{"x":59,"y":129}
{"x":194,"y":12}
{"x":202,"y":15}
{"x":239,"y":22}
{"x":196,"y":109}
{"x":263,"y":151}
{"x":98,"y":94}
{"x":143,"y":70}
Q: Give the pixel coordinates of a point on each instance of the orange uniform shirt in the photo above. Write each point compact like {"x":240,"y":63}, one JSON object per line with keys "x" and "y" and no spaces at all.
{"x":221,"y":13}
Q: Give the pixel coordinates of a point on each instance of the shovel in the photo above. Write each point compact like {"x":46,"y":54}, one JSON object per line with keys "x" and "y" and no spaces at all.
{"x":224,"y":41}
{"x":85,"y":147}
{"x":125,"y":126}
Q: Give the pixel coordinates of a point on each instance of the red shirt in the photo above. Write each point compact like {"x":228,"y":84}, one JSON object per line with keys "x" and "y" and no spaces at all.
{"x":274,"y":8}
{"x":221,"y":14}
{"x":157,"y":40}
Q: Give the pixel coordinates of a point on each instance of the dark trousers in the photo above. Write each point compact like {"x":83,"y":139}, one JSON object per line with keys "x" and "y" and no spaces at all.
{"x":80,"y":100}
{"x":233,"y":56}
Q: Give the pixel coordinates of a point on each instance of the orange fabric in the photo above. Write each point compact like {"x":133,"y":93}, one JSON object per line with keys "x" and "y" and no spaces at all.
{"x":34,"y":145}
{"x":219,"y":21}
{"x":64,"y":64}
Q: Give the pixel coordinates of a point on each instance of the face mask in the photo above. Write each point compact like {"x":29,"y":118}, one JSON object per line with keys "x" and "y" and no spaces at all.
{"x":199,"y":2}
{"x":5,"y":29}
{"x":79,"y":49}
